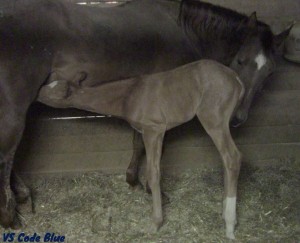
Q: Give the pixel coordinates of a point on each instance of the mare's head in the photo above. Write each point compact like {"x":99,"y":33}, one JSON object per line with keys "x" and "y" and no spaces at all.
{"x":254,"y":62}
{"x":246,"y":45}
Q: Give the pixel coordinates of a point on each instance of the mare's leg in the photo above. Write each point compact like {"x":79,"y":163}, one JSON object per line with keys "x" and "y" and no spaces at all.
{"x":218,"y":129}
{"x":10,"y":136}
{"x":138,"y":151}
{"x":21,"y":191}
{"x":153,"y":143}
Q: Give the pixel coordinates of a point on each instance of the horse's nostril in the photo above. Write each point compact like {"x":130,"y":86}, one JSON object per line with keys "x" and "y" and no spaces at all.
{"x":236,"y":122}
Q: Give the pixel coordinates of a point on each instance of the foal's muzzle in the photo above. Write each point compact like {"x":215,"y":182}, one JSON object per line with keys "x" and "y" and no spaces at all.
{"x":236,"y":122}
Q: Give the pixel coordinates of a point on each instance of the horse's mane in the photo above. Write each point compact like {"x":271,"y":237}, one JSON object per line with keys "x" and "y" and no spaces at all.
{"x":211,"y":22}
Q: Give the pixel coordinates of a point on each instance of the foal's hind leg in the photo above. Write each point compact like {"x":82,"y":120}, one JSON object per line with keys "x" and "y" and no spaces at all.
{"x":153,"y":143}
{"x":133,"y":168}
{"x":218,"y":129}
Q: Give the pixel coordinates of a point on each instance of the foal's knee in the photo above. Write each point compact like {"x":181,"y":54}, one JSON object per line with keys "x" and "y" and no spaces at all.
{"x":234,"y":162}
{"x":153,"y":178}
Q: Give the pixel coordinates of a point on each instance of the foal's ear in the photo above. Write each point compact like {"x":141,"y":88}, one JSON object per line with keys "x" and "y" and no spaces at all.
{"x":252,"y":21}
{"x":278,"y":39}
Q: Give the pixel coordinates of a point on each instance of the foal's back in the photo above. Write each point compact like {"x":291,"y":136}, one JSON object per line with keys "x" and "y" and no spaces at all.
{"x":168,"y":99}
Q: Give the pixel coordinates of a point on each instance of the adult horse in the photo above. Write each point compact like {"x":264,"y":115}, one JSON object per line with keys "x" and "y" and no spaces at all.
{"x":47,"y":40}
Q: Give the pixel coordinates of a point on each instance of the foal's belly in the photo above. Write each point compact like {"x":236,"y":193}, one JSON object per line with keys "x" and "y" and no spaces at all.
{"x":160,"y":116}
{"x":163,"y":101}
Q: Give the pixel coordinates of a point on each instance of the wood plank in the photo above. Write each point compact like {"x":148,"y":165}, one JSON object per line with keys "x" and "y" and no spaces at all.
{"x":186,"y":143}
{"x":271,"y":108}
{"x":105,"y":143}
{"x":282,"y":65}
{"x":197,"y":137}
{"x":75,"y":145}
{"x":274,"y":108}
{"x":191,"y":134}
{"x":71,"y":127}
{"x":283,"y":81}
{"x":174,"y":159}
{"x":263,"y":8}
{"x":114,"y":161}
{"x":255,"y":155}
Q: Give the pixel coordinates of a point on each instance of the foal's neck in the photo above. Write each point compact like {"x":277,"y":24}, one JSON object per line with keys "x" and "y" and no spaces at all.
{"x":106,"y":99}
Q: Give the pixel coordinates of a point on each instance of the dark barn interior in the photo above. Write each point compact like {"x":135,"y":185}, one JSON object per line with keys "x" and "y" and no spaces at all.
{"x":80,"y":191}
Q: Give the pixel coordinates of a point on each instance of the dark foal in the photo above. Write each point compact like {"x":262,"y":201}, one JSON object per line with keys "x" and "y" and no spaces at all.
{"x":155,"y":103}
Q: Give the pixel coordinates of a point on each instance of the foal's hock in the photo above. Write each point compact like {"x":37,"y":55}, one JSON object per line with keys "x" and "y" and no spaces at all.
{"x":155,"y":103}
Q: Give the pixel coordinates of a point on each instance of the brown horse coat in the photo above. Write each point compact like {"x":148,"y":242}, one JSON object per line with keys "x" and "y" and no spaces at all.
{"x":47,"y":40}
{"x":153,"y":104}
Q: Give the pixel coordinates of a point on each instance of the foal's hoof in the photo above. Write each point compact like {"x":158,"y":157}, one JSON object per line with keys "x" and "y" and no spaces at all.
{"x":155,"y":226}
{"x":230,"y":230}
{"x":8,"y":221}
{"x":21,"y":191}
{"x":165,"y":199}
{"x":22,"y":196}
{"x":230,"y":235}
{"x":148,"y":189}
{"x":132,"y":178}
{"x":16,"y":224}
{"x":26,"y":206}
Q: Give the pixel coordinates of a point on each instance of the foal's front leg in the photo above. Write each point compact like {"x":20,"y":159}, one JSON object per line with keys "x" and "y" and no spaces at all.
{"x":232,"y":161}
{"x":219,"y":131}
{"x":153,"y":140}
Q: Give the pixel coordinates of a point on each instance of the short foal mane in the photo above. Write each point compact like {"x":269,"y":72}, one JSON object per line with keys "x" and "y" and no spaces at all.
{"x":212,"y":22}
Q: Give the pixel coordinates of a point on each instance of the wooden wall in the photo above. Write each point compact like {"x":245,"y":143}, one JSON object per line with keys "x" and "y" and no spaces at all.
{"x":271,"y":134}
{"x":277,"y":13}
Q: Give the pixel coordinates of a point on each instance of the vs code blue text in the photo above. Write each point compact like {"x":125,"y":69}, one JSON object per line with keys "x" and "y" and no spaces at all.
{"x":22,"y":237}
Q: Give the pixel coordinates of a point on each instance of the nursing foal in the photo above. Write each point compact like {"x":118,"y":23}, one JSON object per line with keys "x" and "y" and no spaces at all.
{"x":155,"y":103}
